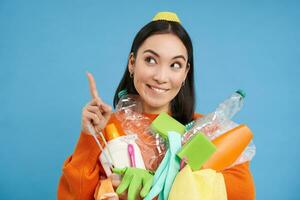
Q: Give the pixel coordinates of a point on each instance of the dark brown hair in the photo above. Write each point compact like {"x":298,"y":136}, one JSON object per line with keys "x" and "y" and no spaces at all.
{"x":183,"y":105}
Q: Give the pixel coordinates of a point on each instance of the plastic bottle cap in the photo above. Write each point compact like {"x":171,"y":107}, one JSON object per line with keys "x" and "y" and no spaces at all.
{"x":122,"y":93}
{"x":241,"y":92}
{"x":111,"y":132}
{"x":189,"y":125}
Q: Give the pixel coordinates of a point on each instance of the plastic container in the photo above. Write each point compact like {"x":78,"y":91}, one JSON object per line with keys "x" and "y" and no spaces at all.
{"x":230,"y":146}
{"x":117,"y":148}
{"x":133,"y":122}
{"x":233,"y":141}
{"x":217,"y":120}
{"x":128,"y":105}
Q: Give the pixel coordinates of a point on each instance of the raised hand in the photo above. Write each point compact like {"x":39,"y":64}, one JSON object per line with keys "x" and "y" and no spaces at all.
{"x":95,"y":113}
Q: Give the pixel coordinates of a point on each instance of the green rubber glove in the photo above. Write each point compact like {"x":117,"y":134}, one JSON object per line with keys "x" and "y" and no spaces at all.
{"x":134,"y":179}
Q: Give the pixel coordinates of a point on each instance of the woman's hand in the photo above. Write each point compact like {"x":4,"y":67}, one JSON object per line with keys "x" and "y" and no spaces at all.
{"x":96,"y":113}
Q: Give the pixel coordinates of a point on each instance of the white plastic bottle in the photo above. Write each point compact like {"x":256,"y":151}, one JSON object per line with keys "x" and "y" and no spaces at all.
{"x":221,"y":116}
{"x":117,"y":148}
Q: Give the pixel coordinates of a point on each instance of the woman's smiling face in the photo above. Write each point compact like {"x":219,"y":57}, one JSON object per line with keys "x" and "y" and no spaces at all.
{"x":159,"y":69}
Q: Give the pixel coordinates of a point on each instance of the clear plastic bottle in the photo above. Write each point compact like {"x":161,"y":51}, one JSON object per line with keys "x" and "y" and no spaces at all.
{"x":130,"y":114}
{"x":218,"y":119}
{"x":129,"y":105}
{"x":231,"y":106}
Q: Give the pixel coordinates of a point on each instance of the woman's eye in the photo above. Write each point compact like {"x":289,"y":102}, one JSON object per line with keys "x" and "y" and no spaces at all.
{"x":176,"y":65}
{"x":150,"y":60}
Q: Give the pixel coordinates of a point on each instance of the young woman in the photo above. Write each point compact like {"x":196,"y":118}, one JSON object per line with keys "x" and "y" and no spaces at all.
{"x":160,"y":70}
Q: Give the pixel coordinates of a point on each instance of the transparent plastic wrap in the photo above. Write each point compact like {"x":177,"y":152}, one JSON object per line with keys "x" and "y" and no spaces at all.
{"x":129,"y":113}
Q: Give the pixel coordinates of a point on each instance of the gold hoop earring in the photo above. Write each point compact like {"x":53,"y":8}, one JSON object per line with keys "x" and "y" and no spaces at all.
{"x":131,"y":75}
{"x":183,"y":83}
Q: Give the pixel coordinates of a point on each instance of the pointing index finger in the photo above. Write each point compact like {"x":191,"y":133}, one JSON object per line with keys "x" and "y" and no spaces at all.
{"x":93,"y":88}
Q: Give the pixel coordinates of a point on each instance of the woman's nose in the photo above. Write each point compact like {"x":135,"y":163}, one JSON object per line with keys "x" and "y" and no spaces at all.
{"x":161,"y":75}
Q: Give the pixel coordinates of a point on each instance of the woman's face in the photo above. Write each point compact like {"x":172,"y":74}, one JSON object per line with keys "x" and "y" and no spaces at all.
{"x":159,"y":69}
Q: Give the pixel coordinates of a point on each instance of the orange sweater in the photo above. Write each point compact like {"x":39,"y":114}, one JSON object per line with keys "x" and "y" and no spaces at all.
{"x":82,"y":171}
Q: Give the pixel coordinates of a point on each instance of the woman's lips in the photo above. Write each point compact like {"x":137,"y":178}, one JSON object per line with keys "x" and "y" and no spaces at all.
{"x":157,"y":89}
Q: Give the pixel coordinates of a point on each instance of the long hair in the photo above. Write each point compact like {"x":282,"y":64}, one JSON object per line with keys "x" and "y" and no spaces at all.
{"x":183,"y":105}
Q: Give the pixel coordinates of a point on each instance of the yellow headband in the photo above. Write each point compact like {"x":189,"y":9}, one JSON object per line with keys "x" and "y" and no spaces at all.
{"x":167,"y":16}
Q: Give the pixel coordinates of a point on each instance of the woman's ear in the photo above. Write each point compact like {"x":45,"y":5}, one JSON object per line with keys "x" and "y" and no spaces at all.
{"x":131,"y":62}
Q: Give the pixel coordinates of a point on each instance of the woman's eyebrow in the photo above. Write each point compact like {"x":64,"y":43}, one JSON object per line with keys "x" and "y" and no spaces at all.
{"x":180,"y":56}
{"x":156,"y":54}
{"x":151,"y":51}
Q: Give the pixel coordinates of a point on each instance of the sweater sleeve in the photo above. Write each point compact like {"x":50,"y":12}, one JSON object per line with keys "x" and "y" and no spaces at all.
{"x":239,"y":182}
{"x":81,"y":171}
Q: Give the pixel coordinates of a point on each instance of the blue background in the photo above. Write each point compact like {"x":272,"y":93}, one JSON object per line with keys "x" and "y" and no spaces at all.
{"x":46,"y":48}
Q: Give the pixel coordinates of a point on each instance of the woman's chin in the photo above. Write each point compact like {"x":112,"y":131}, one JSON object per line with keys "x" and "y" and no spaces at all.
{"x":155,"y":106}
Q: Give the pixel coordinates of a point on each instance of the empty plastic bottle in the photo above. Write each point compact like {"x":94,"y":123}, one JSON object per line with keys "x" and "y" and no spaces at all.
{"x":128,"y":103}
{"x":129,"y":112}
{"x":218,"y":119}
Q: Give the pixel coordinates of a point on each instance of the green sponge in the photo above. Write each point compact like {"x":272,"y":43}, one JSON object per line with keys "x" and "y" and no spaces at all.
{"x":197,"y":151}
{"x":164,"y":123}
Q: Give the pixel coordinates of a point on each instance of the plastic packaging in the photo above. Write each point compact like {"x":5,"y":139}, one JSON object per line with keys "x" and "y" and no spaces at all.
{"x":117,"y":147}
{"x":129,"y":113}
{"x":247,"y":154}
{"x":218,"y":119}
{"x":230,"y":146}
{"x":219,"y":122}
{"x":128,"y":105}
